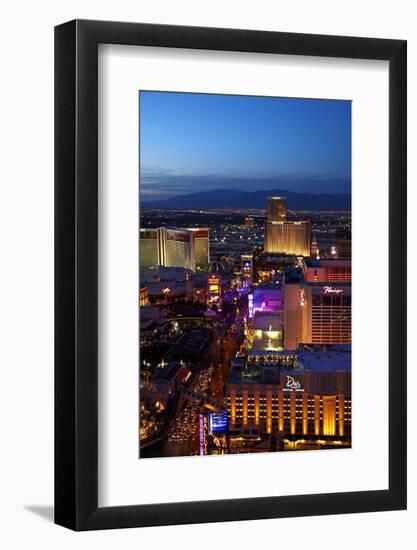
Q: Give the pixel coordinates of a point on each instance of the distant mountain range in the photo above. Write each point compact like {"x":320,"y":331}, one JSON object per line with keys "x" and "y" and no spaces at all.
{"x":232,"y":198}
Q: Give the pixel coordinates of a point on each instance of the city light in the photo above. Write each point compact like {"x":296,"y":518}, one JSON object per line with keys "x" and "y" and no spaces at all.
{"x":245,"y":329}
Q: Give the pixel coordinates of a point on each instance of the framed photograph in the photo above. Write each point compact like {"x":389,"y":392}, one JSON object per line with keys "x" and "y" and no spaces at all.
{"x":230,"y":338}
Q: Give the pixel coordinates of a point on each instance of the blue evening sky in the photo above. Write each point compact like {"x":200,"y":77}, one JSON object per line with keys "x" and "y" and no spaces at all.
{"x":197,"y":142}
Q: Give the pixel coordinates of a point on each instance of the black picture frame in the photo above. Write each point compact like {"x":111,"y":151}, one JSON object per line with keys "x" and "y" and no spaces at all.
{"x":76,"y":272}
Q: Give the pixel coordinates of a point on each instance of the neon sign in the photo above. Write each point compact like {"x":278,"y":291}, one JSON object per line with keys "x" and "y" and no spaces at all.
{"x":203,"y":435}
{"x":331,"y":290}
{"x":250,"y":306}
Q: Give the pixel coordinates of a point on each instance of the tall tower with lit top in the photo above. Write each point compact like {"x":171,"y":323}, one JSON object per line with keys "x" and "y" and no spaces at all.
{"x":283,"y":236}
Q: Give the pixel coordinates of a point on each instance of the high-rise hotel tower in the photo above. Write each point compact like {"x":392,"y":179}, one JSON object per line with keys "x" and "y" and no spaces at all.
{"x":318,"y":307}
{"x":186,"y":248}
{"x":283,"y":236}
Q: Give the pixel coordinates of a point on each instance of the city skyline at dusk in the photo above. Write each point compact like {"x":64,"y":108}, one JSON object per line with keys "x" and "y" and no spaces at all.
{"x":245,"y":296}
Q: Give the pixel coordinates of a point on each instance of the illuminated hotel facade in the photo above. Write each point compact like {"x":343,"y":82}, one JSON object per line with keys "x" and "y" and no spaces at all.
{"x":185,"y":248}
{"x":310,"y":399}
{"x":318,"y":307}
{"x":201,"y":243}
{"x":316,"y":313}
{"x":283,"y":236}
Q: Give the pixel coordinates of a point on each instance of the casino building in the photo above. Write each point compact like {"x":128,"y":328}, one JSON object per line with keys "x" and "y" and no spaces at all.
{"x":201,"y":244}
{"x":304,"y":397}
{"x":318,"y":314}
{"x":283,"y":236}
{"x":318,"y":308}
{"x":185,"y":248}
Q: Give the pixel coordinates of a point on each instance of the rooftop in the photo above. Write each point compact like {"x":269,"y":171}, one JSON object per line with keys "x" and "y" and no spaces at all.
{"x":169,"y":372}
{"x":325,"y":358}
{"x":320,"y":359}
{"x":328,"y":262}
{"x":267,"y":286}
{"x":266,"y":375}
{"x":267,"y":320}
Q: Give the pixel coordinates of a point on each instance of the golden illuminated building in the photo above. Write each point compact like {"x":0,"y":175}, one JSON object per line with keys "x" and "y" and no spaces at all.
{"x":150,"y":248}
{"x":179,"y":250}
{"x":201,"y":247}
{"x":283,"y":236}
{"x":308,"y":401}
{"x":143,"y":297}
{"x":276,"y":209}
{"x":184,"y":248}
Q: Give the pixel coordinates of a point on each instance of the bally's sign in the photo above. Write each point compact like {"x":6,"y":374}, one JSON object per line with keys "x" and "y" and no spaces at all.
{"x":292,"y":384}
